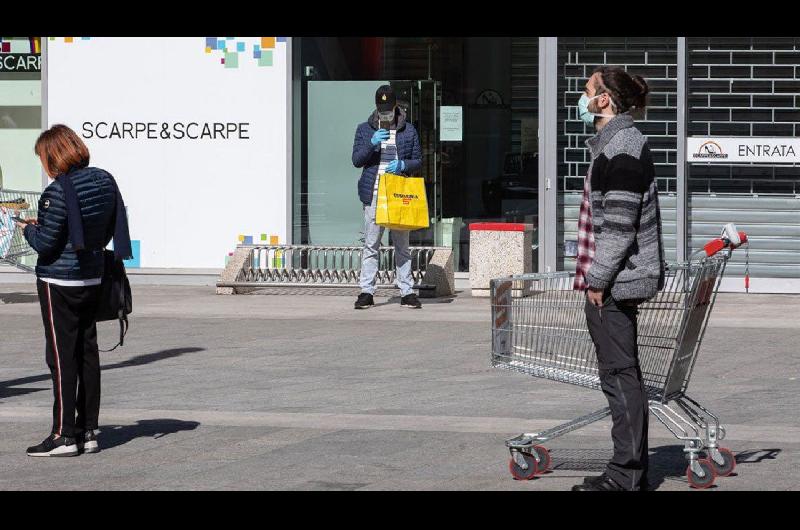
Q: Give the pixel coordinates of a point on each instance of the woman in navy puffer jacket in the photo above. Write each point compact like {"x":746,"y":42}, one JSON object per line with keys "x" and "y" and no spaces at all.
{"x":68,"y":282}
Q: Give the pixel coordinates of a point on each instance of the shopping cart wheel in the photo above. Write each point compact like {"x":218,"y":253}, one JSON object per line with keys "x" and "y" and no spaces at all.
{"x":699,"y":482}
{"x":523,"y":474}
{"x":544,"y":459}
{"x":729,"y":462}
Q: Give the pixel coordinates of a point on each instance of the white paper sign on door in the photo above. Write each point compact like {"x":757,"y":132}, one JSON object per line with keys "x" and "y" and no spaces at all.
{"x":452,"y":124}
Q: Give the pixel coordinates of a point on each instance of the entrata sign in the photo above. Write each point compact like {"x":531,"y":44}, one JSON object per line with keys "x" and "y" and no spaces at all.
{"x":732,"y":149}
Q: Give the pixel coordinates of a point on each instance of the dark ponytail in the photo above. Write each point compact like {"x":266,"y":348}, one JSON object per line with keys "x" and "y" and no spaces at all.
{"x":627,"y":91}
{"x":640,"y":102}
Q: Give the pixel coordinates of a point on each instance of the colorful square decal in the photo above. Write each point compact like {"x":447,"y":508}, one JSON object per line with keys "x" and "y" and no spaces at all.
{"x":6,"y":47}
{"x":229,"y":54}
{"x":68,"y":39}
{"x":266,"y":58}
{"x":248,"y":240}
{"x":136,"y":261}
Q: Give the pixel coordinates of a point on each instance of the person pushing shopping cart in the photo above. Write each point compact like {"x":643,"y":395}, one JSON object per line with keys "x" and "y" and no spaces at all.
{"x":624,"y":322}
{"x":620,"y":263}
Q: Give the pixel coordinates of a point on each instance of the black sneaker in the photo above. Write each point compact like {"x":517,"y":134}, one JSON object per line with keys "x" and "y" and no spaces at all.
{"x":364,"y":301}
{"x":410,"y":300}
{"x":601,"y":483}
{"x":52,"y":446}
{"x":87,"y":443}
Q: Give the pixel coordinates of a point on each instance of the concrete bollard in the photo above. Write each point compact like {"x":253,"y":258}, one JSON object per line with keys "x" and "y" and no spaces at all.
{"x":498,"y":250}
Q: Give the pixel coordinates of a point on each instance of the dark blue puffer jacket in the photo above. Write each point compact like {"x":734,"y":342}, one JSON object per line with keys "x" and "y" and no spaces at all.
{"x":50,"y":237}
{"x":368,"y":156}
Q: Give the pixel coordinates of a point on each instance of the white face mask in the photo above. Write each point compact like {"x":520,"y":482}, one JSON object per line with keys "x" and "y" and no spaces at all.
{"x":386,"y":116}
{"x":583,"y":109}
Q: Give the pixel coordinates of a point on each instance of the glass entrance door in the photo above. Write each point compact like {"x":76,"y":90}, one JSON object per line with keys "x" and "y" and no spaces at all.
{"x":328,"y":210}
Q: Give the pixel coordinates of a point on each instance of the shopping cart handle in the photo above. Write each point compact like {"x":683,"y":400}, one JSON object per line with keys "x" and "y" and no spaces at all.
{"x":715,"y":245}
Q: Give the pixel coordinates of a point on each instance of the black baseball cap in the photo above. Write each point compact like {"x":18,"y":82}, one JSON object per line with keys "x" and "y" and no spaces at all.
{"x":385,"y":100}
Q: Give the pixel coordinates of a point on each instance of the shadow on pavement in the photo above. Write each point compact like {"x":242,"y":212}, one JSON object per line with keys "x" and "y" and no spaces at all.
{"x":116,"y":435}
{"x":18,"y":298}
{"x":755,"y":456}
{"x":590,"y":460}
{"x":667,"y":462}
{"x":151,"y":358}
{"x":6,"y":389}
{"x":395,"y":300}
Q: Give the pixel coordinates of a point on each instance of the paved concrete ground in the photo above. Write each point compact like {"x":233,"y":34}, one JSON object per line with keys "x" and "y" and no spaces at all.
{"x":302,"y":392}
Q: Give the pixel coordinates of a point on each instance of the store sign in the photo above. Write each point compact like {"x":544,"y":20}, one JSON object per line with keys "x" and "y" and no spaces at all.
{"x":197,"y":136}
{"x":180,"y":130}
{"x":452,"y":124}
{"x":20,"y":62}
{"x":733,"y":149}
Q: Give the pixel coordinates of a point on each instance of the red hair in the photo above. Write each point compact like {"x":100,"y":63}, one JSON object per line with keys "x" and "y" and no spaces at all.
{"x":60,"y":150}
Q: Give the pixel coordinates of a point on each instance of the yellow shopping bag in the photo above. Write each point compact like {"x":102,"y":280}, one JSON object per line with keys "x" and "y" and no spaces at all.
{"x":402,"y":203}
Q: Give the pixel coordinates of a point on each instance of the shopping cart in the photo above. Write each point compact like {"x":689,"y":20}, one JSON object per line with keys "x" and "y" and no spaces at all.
{"x":13,"y":247}
{"x":539,"y":328}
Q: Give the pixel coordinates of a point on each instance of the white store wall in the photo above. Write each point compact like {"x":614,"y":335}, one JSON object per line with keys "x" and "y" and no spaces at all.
{"x":188,"y":199}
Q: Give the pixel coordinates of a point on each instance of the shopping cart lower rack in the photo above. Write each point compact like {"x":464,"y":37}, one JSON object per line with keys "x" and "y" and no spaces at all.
{"x":13,"y":247}
{"x":539,"y":328}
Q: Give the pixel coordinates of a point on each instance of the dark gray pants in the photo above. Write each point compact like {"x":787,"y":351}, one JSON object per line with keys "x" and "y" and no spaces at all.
{"x":613,"y":331}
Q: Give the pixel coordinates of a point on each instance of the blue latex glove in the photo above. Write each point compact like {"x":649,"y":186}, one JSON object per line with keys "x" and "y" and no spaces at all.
{"x":381,"y":135}
{"x":395,"y":166}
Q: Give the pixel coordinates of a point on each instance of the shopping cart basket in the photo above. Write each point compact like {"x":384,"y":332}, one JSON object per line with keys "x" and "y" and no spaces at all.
{"x":539,"y":328}
{"x":13,"y":247}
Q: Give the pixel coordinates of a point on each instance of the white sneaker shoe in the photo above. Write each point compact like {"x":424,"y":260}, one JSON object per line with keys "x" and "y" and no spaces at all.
{"x":52,"y":446}
{"x":88,"y":443}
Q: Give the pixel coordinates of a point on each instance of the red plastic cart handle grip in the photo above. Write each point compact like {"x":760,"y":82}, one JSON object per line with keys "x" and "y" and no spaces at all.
{"x":715,"y":245}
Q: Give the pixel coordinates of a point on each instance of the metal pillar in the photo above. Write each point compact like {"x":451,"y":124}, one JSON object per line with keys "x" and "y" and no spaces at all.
{"x":44,"y":69}
{"x":681,"y":169}
{"x":548,"y":152}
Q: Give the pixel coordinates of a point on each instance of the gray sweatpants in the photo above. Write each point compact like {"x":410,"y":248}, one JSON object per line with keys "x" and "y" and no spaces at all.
{"x":614,"y":333}
{"x":369,"y":258}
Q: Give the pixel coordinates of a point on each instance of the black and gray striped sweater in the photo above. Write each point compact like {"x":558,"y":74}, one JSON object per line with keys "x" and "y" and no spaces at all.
{"x":626,"y":218}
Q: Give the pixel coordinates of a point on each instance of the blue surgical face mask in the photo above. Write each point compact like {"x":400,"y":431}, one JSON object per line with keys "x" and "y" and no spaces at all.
{"x":583,"y":110}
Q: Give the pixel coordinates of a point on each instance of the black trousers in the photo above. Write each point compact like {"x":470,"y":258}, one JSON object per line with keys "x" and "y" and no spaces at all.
{"x":68,"y":314}
{"x":614,"y":333}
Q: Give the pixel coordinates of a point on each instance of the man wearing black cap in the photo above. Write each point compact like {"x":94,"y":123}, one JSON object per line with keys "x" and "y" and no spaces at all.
{"x":385,"y":143}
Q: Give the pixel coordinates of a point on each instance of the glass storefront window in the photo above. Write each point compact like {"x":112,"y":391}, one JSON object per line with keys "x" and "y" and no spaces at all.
{"x":20,"y":112}
{"x":490,"y":174}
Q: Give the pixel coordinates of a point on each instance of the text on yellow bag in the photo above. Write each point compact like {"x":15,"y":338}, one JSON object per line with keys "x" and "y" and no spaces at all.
{"x":402,"y":203}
